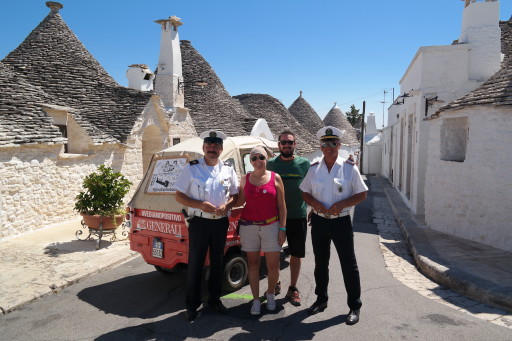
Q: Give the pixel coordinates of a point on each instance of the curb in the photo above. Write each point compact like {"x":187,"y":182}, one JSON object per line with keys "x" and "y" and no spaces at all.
{"x":449,"y":275}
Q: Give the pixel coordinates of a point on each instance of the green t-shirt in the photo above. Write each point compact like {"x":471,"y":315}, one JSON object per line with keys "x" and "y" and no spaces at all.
{"x":292,"y":173}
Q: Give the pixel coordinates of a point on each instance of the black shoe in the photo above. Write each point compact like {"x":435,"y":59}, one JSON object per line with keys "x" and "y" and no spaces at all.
{"x":219,"y":307}
{"x":190,"y":315}
{"x":277,"y":290}
{"x":317,"y":307}
{"x":353,"y":317}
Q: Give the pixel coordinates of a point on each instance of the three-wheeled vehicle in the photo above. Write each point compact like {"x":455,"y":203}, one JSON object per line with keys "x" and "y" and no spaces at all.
{"x":158,"y":223}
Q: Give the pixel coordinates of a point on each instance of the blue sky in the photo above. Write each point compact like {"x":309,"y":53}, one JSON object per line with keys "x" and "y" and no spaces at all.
{"x":332,"y":50}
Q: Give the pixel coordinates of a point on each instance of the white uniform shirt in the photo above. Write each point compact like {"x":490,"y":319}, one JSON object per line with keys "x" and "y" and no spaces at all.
{"x":214,"y":184}
{"x":341,"y":183}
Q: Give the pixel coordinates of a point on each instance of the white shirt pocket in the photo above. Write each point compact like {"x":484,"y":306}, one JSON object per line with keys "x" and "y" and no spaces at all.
{"x":340,"y":188}
{"x":317,"y":189}
{"x":197,"y":189}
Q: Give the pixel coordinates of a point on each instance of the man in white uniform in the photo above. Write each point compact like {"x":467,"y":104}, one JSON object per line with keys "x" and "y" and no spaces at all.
{"x":332,"y":187}
{"x":209,"y":188}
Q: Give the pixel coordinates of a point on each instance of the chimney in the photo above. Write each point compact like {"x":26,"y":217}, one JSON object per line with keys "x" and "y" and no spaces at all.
{"x":481,"y":30}
{"x":169,"y":76}
{"x":140,"y":77}
{"x":370,"y":126}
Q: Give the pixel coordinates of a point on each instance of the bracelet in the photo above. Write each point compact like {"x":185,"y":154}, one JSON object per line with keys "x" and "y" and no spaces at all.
{"x":282,"y":228}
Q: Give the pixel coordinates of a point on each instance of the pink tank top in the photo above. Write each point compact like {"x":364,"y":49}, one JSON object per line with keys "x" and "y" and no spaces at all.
{"x":260,"y":201}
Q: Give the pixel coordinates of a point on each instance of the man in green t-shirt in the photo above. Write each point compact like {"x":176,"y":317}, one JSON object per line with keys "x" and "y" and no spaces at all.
{"x":292,"y":169}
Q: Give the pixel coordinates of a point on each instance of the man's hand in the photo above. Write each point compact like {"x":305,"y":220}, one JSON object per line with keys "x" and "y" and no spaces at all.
{"x":335,"y":209}
{"x":236,"y":213}
{"x":207,"y":207}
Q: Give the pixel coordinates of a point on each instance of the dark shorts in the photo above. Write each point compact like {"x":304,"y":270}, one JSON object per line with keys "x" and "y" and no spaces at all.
{"x":296,"y":232}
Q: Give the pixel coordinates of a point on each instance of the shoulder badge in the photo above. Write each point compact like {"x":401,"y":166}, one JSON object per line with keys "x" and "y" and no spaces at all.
{"x":194,"y":162}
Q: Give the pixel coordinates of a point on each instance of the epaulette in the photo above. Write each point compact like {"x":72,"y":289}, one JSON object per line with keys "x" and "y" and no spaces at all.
{"x":314,"y":164}
{"x":226,"y":163}
{"x":194,"y":162}
{"x":350,"y":162}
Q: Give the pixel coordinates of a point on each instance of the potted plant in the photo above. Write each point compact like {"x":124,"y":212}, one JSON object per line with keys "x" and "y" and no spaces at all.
{"x":102,"y":200}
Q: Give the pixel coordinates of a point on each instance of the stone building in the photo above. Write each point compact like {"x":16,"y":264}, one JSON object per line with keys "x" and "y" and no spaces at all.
{"x":62,"y":115}
{"x":436,"y":76}
{"x":278,"y":119}
{"x":468,"y":186}
{"x":336,"y":118}
{"x":306,"y":115}
{"x":447,"y":143}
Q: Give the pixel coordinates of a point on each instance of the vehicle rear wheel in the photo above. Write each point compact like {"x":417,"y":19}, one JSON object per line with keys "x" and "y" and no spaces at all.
{"x":235,"y":272}
{"x":163,"y":270}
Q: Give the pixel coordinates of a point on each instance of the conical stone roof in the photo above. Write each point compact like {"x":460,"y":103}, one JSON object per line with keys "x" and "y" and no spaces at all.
{"x":336,"y":118}
{"x":278,"y":119}
{"x":211,"y":106}
{"x":306,"y":115}
{"x":21,"y":119}
{"x":506,"y":39}
{"x":52,"y":59}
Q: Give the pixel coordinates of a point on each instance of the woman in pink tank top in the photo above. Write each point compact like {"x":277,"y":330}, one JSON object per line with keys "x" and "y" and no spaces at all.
{"x":262,"y":225}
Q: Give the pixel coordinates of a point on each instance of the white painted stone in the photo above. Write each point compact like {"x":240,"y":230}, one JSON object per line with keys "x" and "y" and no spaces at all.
{"x":446,"y":72}
{"x":472,"y":199}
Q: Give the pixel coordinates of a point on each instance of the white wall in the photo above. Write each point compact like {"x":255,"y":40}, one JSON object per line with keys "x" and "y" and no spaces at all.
{"x":473,"y":199}
{"x":39,"y":182}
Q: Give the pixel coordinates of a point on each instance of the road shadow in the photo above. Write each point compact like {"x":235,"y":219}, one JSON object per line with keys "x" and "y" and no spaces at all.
{"x":147,"y":295}
{"x":268,"y":326}
{"x":58,"y":249}
{"x":151,"y":294}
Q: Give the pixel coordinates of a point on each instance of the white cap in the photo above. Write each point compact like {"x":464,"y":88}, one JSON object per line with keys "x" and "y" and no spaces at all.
{"x":329,"y":133}
{"x":213,"y":134}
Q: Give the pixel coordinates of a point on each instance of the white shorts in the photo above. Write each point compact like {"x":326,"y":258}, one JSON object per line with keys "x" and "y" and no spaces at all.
{"x":256,"y":238}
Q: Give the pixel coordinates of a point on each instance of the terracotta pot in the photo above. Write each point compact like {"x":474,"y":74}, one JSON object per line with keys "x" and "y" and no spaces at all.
{"x":93,"y":221}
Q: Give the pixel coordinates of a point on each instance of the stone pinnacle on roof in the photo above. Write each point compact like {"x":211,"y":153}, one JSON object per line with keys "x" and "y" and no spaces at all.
{"x":336,"y":118}
{"x":54,"y":6}
{"x":306,"y":115}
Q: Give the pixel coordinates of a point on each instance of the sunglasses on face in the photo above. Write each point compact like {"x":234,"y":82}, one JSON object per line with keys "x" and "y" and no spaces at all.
{"x":329,"y":144}
{"x":261,"y":157}
{"x":286,"y":142}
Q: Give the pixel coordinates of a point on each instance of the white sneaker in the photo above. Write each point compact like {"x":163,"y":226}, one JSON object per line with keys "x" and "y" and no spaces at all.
{"x":256,"y":307}
{"x":271,"y":301}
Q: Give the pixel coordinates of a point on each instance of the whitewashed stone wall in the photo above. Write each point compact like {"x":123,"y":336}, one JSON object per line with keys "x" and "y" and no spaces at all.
{"x":38,"y":183}
{"x":473,"y":199}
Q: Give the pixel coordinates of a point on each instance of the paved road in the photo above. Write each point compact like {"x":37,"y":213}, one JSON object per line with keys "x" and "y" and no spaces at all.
{"x":134,"y":302}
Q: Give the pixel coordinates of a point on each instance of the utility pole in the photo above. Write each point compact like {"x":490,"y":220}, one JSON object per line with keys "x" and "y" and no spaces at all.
{"x":360,"y":158}
{"x":383,"y":102}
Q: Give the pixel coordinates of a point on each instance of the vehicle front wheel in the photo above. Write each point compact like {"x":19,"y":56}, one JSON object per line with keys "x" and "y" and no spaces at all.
{"x":235,"y":272}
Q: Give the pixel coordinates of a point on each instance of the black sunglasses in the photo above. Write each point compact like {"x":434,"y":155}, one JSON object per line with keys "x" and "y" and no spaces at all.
{"x":285,"y":142}
{"x":261,"y":157}
{"x":329,"y":144}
